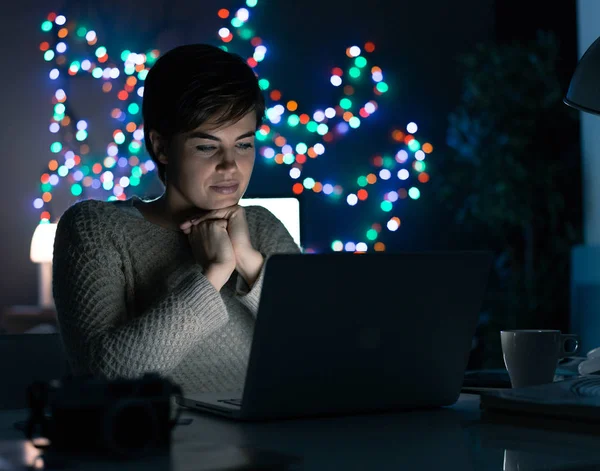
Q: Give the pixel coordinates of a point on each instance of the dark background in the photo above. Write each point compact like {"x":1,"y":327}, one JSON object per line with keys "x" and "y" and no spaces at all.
{"x":418,"y":44}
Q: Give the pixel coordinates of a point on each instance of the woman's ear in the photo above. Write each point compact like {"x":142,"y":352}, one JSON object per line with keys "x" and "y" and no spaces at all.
{"x":159,"y":147}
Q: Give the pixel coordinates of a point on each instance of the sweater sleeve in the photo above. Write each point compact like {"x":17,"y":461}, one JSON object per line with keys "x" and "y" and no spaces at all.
{"x":89,"y":292}
{"x":269,"y":237}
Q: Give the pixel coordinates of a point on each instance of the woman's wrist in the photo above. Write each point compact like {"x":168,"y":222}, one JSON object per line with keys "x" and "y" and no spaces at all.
{"x":249,"y":265}
{"x":217,"y":275}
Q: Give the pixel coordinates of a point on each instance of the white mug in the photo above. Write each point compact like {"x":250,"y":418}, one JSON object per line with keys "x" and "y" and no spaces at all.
{"x":531,"y":356}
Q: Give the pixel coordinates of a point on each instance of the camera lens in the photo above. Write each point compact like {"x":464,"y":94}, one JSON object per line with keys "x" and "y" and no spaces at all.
{"x":131,"y":427}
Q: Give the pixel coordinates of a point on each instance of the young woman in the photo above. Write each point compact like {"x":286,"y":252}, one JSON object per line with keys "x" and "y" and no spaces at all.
{"x":172,"y":285}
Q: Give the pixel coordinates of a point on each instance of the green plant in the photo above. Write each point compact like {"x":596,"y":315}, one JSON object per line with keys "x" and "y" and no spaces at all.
{"x":513,"y":175}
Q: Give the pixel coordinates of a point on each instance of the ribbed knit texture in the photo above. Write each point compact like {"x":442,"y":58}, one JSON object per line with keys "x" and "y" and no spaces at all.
{"x":131,"y":299}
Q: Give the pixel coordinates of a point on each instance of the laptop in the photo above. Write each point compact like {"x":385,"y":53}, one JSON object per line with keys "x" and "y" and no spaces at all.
{"x":344,"y":333}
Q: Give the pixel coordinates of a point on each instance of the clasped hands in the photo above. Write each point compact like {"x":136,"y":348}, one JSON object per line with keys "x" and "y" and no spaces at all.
{"x":220,"y":242}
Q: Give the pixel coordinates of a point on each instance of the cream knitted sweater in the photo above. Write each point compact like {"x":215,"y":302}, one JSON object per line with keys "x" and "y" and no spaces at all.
{"x":131,"y":299}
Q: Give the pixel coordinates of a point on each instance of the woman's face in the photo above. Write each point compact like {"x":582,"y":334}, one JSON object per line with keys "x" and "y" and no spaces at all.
{"x":210,"y":167}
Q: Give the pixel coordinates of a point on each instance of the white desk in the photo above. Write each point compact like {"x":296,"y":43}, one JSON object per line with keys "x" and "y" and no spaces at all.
{"x":444,"y":439}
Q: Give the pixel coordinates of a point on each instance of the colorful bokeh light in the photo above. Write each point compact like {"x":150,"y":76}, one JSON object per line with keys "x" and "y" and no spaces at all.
{"x":293,"y":134}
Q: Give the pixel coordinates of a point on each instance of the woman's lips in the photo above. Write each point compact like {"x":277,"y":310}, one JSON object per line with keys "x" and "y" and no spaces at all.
{"x":225,"y":189}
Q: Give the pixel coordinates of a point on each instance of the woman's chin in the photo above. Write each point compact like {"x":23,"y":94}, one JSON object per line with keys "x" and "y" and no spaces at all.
{"x":221,"y":203}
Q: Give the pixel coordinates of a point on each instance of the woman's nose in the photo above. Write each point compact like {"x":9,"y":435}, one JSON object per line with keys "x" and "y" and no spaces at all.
{"x":227,"y":160}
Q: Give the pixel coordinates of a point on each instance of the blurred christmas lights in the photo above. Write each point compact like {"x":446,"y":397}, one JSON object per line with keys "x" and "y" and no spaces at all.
{"x":120,"y":170}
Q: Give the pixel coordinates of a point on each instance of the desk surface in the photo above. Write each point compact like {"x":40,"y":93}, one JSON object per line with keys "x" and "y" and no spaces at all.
{"x":452,"y":438}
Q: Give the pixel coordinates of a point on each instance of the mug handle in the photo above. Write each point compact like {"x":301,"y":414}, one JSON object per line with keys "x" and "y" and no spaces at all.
{"x":563,"y":339}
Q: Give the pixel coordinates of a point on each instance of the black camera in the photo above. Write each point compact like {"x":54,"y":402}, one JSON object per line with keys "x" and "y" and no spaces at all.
{"x":121,"y":417}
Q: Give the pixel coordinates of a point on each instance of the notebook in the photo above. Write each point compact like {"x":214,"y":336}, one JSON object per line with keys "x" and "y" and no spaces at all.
{"x":574,"y":398}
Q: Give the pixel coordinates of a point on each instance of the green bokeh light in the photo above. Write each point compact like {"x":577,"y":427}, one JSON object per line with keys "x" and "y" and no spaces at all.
{"x":134,"y":147}
{"x":76,"y":189}
{"x":337,"y":245}
{"x":346,"y":103}
{"x":414,"y":145}
{"x":382,"y":87}
{"x":246,"y":34}
{"x":386,"y":206}
{"x":46,"y":26}
{"x":360,"y":62}
{"x":309,"y":183}
{"x":301,"y":148}
{"x":371,"y":234}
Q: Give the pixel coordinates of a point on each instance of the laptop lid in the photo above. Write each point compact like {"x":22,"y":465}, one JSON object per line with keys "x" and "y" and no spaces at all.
{"x":342,"y":333}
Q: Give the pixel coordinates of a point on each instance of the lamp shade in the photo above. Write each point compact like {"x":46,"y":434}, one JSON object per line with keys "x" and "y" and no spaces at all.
{"x":42,"y":243}
{"x":584,"y":89}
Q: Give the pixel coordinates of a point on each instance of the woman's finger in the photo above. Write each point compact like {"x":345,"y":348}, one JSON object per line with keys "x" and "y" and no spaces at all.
{"x":220,"y":223}
{"x":224,"y":213}
{"x":186,"y":225}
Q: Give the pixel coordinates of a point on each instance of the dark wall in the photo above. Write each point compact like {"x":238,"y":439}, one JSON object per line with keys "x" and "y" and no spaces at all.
{"x":417,"y":43}
{"x":519,"y":20}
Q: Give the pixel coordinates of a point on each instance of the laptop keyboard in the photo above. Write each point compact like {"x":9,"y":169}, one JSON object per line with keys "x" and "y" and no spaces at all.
{"x":232,"y":402}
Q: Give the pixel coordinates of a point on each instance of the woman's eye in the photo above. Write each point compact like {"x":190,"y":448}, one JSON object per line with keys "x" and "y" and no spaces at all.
{"x":205,"y":148}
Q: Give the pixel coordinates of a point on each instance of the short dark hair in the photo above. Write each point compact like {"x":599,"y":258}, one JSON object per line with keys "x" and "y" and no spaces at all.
{"x":191,"y":84}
